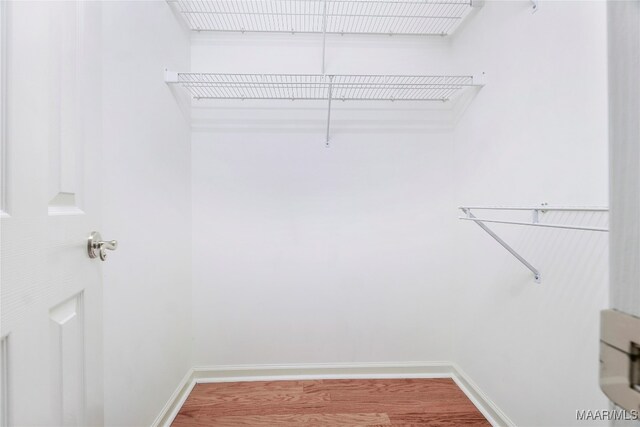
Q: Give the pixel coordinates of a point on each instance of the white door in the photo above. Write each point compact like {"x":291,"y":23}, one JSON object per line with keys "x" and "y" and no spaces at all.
{"x":51,"y":290}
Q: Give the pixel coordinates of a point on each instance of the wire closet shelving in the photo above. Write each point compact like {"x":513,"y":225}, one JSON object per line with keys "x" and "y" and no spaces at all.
{"x":322,"y":87}
{"x":536,"y":212}
{"x":389,"y":17}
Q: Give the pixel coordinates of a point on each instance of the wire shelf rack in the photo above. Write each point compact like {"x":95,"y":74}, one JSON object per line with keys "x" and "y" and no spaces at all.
{"x":401,"y":17}
{"x":322,"y":87}
{"x":536,"y":213}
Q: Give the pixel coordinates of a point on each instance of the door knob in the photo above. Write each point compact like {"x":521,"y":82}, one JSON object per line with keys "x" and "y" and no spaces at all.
{"x":96,"y":247}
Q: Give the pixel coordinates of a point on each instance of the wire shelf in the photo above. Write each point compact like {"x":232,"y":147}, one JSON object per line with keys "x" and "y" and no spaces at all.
{"x":401,"y":17}
{"x":322,"y":87}
{"x":536,"y":212}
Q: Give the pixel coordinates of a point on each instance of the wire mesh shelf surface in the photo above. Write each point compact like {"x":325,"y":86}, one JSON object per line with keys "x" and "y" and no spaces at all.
{"x":402,"y":17}
{"x":322,"y":87}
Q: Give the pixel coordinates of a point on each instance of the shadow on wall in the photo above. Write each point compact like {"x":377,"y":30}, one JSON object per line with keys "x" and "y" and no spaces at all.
{"x":347,"y":117}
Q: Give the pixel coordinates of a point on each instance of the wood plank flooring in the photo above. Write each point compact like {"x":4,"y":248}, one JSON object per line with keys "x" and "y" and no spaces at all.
{"x":332,"y":403}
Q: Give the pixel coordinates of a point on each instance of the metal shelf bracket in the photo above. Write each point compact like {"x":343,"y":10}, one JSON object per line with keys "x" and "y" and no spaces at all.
{"x":535,"y":222}
{"x":330,"y":96}
{"x":535,"y":271}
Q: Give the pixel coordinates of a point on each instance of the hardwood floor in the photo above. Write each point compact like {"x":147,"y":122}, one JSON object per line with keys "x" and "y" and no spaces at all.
{"x":334,"y":403}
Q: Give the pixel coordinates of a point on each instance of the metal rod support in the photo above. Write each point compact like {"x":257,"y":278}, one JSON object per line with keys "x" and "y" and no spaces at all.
{"x":535,"y":222}
{"x":470,"y":216}
{"x":330,"y":96}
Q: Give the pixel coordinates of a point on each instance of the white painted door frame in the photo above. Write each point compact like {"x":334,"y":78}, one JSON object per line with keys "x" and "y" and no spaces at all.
{"x":624,"y":155}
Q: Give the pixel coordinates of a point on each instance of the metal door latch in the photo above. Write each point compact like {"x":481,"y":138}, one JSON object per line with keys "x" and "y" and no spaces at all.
{"x":620,"y":358}
{"x":96,"y":247}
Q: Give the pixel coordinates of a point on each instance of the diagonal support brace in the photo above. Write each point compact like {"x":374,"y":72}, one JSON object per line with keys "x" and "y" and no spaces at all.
{"x":536,"y":273}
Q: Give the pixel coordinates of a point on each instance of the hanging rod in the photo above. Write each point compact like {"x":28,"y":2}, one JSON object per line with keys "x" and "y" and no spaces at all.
{"x":535,"y":222}
{"x":540,"y":208}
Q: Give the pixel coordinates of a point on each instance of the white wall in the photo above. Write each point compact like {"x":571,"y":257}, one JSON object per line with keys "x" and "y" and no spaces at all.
{"x":147,"y":207}
{"x":537,"y":132}
{"x":304,"y":254}
{"x":353,"y":253}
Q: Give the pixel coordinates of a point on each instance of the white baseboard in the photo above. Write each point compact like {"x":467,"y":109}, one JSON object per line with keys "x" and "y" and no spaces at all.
{"x":484,"y":404}
{"x":236,"y":373}
{"x":175,"y":402}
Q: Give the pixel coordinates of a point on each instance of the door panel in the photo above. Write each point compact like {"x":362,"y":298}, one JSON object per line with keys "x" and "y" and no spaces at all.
{"x":65,"y":172}
{"x":51,"y":290}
